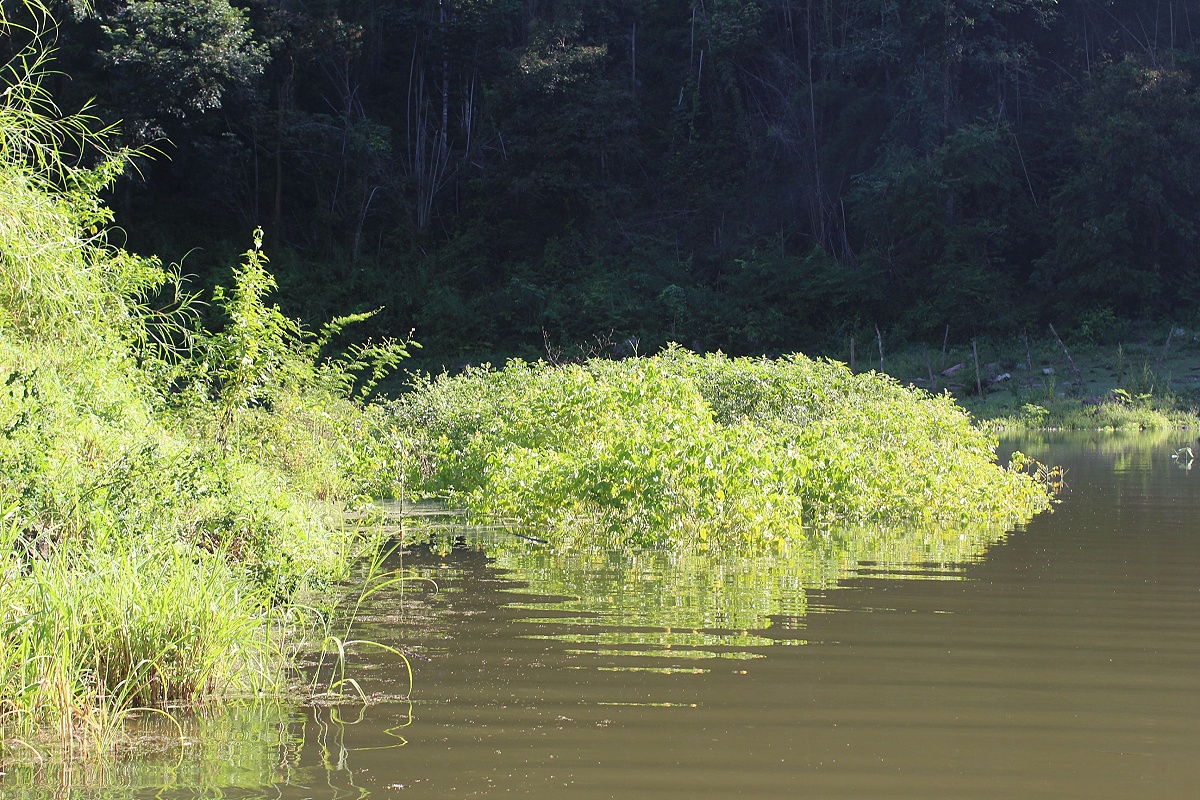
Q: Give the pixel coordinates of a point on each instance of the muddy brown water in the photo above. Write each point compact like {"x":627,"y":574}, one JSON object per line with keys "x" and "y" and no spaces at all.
{"x":1063,"y":661}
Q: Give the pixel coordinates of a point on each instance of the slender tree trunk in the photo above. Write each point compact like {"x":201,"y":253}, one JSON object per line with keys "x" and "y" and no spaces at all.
{"x":362,"y":219}
{"x":443,"y":142}
{"x":879,"y":339}
{"x":428,"y":147}
{"x":978,"y":380}
{"x":282,"y":105}
{"x":789,"y":24}
{"x":633,"y":60}
{"x":818,"y":210}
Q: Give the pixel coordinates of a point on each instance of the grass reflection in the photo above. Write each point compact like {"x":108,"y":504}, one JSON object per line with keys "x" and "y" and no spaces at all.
{"x":698,"y":655}
{"x":627,"y":605}
{"x":1119,"y":447}
{"x":669,"y":640}
{"x":251,"y":750}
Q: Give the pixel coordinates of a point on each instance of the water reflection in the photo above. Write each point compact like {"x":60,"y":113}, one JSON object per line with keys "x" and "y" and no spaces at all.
{"x":1057,"y":662}
{"x":624,"y":607}
{"x":597,"y":611}
{"x":1124,"y":451}
{"x":240,"y":751}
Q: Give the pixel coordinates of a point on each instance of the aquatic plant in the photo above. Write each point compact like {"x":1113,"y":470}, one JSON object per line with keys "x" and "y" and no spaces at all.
{"x":1116,"y":411}
{"x":684,"y":446}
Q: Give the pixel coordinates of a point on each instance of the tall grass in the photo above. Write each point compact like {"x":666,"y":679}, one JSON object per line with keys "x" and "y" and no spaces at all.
{"x":90,"y":635}
{"x":167,"y":492}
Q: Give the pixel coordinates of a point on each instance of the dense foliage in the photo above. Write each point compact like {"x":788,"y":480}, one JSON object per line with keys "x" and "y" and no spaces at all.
{"x":751,"y":175}
{"x":680,"y":447}
{"x":166,"y":490}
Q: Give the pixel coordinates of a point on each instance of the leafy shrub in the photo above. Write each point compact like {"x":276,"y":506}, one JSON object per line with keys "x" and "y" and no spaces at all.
{"x":679,"y":445}
{"x":161,"y":486}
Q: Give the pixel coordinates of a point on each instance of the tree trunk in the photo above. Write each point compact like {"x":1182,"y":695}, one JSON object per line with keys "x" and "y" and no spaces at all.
{"x":283,"y":103}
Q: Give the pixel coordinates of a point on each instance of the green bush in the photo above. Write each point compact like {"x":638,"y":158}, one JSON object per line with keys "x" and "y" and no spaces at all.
{"x":166,"y":491}
{"x":678,"y":445}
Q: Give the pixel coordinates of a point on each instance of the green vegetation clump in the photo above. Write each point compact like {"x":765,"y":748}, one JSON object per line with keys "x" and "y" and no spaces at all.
{"x":167,"y":490}
{"x":1115,"y":412}
{"x":680,"y":446}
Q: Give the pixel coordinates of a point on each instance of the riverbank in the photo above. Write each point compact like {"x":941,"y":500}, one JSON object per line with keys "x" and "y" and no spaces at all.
{"x":1150,"y":381}
{"x":169,"y":524}
{"x":172,"y":493}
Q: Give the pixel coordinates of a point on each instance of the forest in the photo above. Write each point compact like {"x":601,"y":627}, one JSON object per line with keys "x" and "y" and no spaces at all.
{"x":516,"y":177}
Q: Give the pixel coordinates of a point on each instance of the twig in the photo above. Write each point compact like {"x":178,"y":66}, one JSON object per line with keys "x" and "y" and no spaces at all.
{"x":978,"y":382}
{"x":945,"y":339}
{"x":879,"y":338}
{"x":852,"y":354}
{"x":929,"y":369}
{"x":1071,"y":361}
{"x":553,"y":354}
{"x":1163,"y":354}
{"x":527,"y":537}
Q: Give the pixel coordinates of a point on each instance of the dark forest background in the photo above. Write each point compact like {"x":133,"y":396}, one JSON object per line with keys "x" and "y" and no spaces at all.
{"x":758,"y":176}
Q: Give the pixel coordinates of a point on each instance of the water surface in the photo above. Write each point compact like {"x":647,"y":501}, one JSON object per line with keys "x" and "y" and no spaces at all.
{"x":1062,"y":660}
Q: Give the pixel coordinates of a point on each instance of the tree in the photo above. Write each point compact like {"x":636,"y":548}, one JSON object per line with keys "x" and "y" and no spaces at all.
{"x":1126,"y":235}
{"x":176,"y":60}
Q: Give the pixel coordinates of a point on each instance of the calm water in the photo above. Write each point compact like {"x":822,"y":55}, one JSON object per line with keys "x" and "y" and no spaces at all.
{"x":1059,"y":661}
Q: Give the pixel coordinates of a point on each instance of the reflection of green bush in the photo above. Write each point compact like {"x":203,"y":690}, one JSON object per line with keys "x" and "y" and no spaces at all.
{"x":720,"y":590}
{"x":680,"y":446}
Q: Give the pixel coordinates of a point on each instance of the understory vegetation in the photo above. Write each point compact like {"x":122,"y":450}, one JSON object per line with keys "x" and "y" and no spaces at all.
{"x":684,"y":447}
{"x":168,"y":491}
{"x":1148,"y":381}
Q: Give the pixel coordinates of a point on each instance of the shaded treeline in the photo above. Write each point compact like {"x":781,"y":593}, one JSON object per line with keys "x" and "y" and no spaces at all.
{"x":755,"y":175}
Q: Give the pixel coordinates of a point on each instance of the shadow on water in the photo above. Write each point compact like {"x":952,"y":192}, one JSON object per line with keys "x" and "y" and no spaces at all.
{"x":1060,"y":661}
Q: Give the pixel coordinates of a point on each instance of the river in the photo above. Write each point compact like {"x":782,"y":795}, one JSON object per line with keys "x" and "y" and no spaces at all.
{"x":1061,"y":660}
